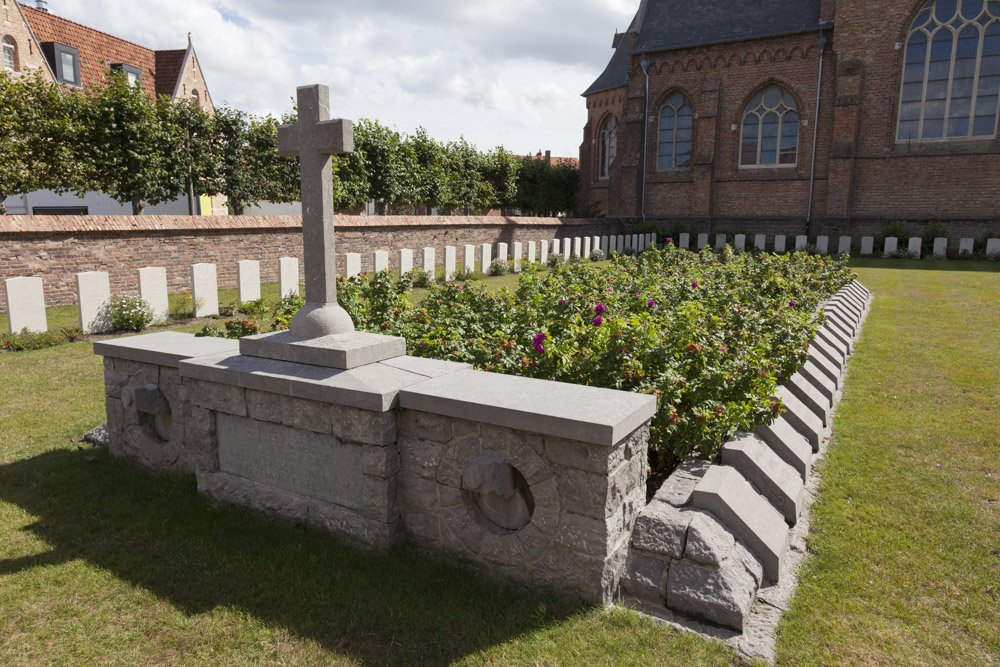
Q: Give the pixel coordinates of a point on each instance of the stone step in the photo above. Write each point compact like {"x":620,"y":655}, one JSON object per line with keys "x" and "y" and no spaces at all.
{"x":790,"y":445}
{"x":725,"y":493}
{"x":763,"y":468}
{"x":800,"y":417}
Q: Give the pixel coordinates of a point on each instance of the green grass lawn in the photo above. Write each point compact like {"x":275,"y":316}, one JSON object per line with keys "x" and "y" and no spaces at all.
{"x":906,"y":534}
{"x":100,"y":562}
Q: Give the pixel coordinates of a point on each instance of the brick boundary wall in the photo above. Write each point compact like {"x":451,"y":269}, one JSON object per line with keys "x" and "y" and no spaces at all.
{"x":55,"y":248}
{"x":832,"y":227}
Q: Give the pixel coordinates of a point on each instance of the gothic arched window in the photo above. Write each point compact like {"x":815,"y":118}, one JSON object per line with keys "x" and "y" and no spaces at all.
{"x":609,"y":141}
{"x":9,"y":54}
{"x":770,"y":133}
{"x":675,"y":133}
{"x":951,"y":71}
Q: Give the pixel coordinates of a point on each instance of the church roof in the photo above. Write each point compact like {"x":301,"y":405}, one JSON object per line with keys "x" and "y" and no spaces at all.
{"x":660,"y":25}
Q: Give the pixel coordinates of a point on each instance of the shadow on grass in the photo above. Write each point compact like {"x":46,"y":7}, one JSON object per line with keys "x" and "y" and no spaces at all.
{"x":154,"y":531}
{"x":924,"y":264}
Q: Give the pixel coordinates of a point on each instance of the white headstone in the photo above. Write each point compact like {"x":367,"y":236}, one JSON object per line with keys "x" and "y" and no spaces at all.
{"x":740,"y":242}
{"x":450,"y":258}
{"x":642,"y":242}
{"x":595,"y":243}
{"x":760,"y":242}
{"x":867,"y":245}
{"x":891,"y":245}
{"x":684,"y":241}
{"x":628,"y":242}
{"x":502,"y":252}
{"x":469,"y":259}
{"x":702,"y":241}
{"x":914,"y":246}
{"x":288,"y":275}
{"x":605,"y":252}
{"x":652,"y":239}
{"x":429,"y":262}
{"x":992,"y":247}
{"x":965,"y":246}
{"x":485,"y":257}
{"x":578,"y":246}
{"x":566,"y":249}
{"x":248,"y":280}
{"x":353,"y":263}
{"x":314,"y":139}
{"x":153,"y":290}
{"x":940,"y":247}
{"x":635,"y":243}
{"x":532,"y":252}
{"x":381,"y":260}
{"x":823,"y":244}
{"x":204,"y":290}
{"x":801,"y":242}
{"x":720,"y":241}
{"x":556,"y":250}
{"x":543,"y":252}
{"x":26,"y":304}
{"x":844,"y":248}
{"x":405,"y":261}
{"x":518,"y":254}
{"x":779,"y":243}
{"x":621,"y":243}
{"x":586,"y":247}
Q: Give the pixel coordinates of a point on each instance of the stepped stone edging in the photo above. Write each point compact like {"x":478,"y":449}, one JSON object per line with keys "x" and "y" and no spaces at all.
{"x":717,"y":549}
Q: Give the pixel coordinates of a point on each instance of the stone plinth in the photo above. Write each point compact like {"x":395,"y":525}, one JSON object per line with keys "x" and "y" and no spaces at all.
{"x":343,"y":351}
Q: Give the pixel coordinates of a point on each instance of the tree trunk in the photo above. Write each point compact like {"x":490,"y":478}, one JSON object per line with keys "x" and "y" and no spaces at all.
{"x":190,"y":194}
{"x":3,"y":203}
{"x":237,"y":206}
{"x":138,"y":204}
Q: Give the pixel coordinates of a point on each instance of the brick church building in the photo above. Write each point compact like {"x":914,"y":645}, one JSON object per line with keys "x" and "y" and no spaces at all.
{"x":799,"y":116}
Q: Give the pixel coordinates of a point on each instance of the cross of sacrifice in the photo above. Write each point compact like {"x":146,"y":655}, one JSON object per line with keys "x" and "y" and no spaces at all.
{"x":314,"y":139}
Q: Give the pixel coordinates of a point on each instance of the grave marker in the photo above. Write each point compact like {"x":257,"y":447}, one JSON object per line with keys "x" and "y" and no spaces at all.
{"x":823,"y":244}
{"x":940,"y":247}
{"x":965,"y":247}
{"x":502,"y":252}
{"x":779,"y":243}
{"x":684,"y":242}
{"x":586,"y":247}
{"x":891,"y":245}
{"x":914,"y":246}
{"x":204,"y":290}
{"x":25,"y":305}
{"x":429,"y":262}
{"x":248,"y":280}
{"x":380,"y":261}
{"x":720,"y":241}
{"x":621,"y":244}
{"x":450,"y":255}
{"x":469,"y":259}
{"x":288,"y":276}
{"x":532,"y":254}
{"x":353,"y":263}
{"x":555,"y":247}
{"x":867,"y":245}
{"x":844,"y":248}
{"x":760,"y":242}
{"x":801,"y":242}
{"x":992,"y":247}
{"x":605,"y":252}
{"x":577,"y":246}
{"x":740,"y":242}
{"x":485,"y":257}
{"x":405,"y":261}
{"x":153,"y":290}
{"x":702,"y":241}
{"x":543,"y":256}
{"x":518,"y":252}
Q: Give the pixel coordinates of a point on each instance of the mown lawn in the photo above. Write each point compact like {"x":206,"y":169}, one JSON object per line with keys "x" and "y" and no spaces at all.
{"x":101,"y":563}
{"x":906,"y":533}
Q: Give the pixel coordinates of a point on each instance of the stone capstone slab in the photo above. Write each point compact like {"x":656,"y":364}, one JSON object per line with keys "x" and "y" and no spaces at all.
{"x":820,"y":380}
{"x":343,"y":351}
{"x":722,"y":595}
{"x":167,"y":348}
{"x":763,"y":468}
{"x":800,"y":417}
{"x":588,"y":414}
{"x":725,"y":493}
{"x":811,"y":397}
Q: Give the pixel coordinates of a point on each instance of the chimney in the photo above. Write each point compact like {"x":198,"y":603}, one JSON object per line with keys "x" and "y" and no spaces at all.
{"x":42,"y":5}
{"x":548,"y":157}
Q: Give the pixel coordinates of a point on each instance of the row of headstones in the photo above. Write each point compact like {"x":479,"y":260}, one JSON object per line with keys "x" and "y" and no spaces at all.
{"x":26,"y":296}
{"x":513,"y":254}
{"x":890,"y":248}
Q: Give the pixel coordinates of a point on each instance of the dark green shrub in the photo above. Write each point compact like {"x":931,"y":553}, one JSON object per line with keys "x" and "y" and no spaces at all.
{"x":289,"y":305}
{"x":499,"y":267}
{"x":130,"y":313}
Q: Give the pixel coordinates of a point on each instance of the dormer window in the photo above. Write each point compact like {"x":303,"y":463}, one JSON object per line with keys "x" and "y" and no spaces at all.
{"x":134,"y":74}
{"x":65,"y":61}
{"x":9,"y":54}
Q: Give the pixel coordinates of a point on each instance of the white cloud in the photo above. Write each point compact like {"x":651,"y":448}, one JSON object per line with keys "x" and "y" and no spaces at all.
{"x":505,"y":72}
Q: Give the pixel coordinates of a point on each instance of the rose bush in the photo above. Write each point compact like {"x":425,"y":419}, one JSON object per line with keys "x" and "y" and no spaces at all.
{"x":710,"y":335}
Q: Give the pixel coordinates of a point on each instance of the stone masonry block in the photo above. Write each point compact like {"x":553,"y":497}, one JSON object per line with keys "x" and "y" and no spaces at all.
{"x":790,"y":445}
{"x":800,"y":417}
{"x":677,"y":489}
{"x":363,"y":426}
{"x":832,"y":356}
{"x":819,"y":380}
{"x":763,"y":468}
{"x":218,"y":397}
{"x":661,"y":529}
{"x":727,"y":495}
{"x":644,"y":578}
{"x":720,"y":595}
{"x":424,"y":425}
{"x":811,"y":397}
{"x":708,"y":541}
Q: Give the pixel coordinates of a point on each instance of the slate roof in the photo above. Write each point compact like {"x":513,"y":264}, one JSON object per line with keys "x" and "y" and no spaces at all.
{"x":98,"y":50}
{"x":674,"y":24}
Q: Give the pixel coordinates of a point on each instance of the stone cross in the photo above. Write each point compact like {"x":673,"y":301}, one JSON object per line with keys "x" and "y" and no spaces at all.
{"x":314,"y":139}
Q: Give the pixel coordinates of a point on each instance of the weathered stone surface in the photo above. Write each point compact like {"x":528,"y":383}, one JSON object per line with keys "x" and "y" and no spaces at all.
{"x":364,"y":426}
{"x":761,"y":466}
{"x":288,"y":276}
{"x":424,"y":425}
{"x":583,"y":455}
{"x":153,"y":290}
{"x":97,"y":436}
{"x":577,"y":412}
{"x":248,"y":280}
{"x":644,"y":577}
{"x":708,"y":541}
{"x":800,"y":417}
{"x":677,"y":489}
{"x":420,"y":457}
{"x":204,"y":290}
{"x":382,"y":462}
{"x":167,"y":348}
{"x":790,"y":445}
{"x":811,"y":397}
{"x":93,"y":291}
{"x":342,"y":351}
{"x":590,"y":535}
{"x":661,"y":529}
{"x":722,"y":596}
{"x":725,"y":493}
{"x":218,"y":397}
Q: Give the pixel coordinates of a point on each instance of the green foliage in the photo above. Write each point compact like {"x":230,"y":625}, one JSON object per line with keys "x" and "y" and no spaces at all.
{"x":931,"y":232}
{"x":544,"y":189}
{"x":210,"y":331}
{"x":130,"y":313}
{"x":237,"y":328}
{"x":250,"y":168}
{"x":709,"y":334}
{"x":465,"y":274}
{"x":285,"y":311}
{"x":893,"y":229}
{"x":555,"y":259}
{"x":419,"y":278}
{"x":29,"y":340}
{"x":256,"y":308}
{"x":499,"y":267}
{"x":596,"y":256}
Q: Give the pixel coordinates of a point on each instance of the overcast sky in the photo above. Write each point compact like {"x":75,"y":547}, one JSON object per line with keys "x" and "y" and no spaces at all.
{"x":504,"y":72}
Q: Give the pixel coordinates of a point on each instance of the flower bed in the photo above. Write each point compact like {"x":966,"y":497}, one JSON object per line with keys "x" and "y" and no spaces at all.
{"x":709,"y":334}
